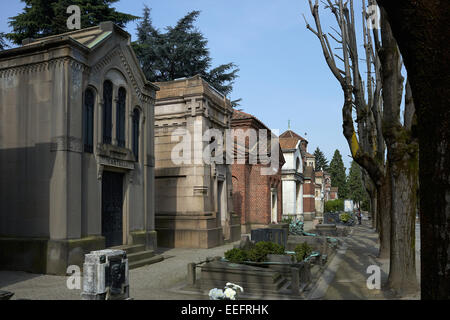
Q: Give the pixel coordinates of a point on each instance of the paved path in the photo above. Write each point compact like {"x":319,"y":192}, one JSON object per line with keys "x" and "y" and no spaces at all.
{"x":150,"y":282}
{"x":347,"y":277}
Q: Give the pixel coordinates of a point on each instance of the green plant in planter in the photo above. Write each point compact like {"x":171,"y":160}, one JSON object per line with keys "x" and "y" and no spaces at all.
{"x":236,"y":255}
{"x":262,"y":249}
{"x":287,"y":220}
{"x":344,"y":217}
{"x":302,"y":251}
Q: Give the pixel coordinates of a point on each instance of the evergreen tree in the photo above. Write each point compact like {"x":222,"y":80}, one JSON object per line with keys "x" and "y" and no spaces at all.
{"x":178,"y":52}
{"x":321,"y":160}
{"x":41,"y":18}
{"x":356,"y":190}
{"x":3,"y":44}
{"x":338,"y":176}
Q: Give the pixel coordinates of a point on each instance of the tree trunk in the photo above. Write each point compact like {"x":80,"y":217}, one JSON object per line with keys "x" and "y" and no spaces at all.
{"x":402,"y":270}
{"x":421,"y":30}
{"x":373,"y":209}
{"x":384,"y":214}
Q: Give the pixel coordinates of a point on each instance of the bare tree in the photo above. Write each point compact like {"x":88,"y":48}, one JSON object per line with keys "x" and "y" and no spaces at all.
{"x":366,"y":143}
{"x":377,"y":108}
{"x":421,"y":30}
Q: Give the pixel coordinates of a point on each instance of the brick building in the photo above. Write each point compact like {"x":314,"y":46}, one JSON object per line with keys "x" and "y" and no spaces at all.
{"x":257,"y":198}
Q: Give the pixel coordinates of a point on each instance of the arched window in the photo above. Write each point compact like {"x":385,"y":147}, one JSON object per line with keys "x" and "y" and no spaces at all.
{"x":120,"y":116}
{"x":136,"y":120}
{"x":107,"y":111}
{"x":88,"y":120}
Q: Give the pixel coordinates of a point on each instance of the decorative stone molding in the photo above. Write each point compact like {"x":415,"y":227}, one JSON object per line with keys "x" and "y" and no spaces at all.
{"x":200,"y":190}
{"x":67,"y":143}
{"x":42,"y":66}
{"x":113,"y":156}
{"x":117,"y":51}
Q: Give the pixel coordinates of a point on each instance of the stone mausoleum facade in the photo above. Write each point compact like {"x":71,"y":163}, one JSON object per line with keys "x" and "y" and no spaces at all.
{"x":76,"y":150}
{"x":194,"y":206}
{"x":257,"y":196}
{"x":292,"y":174}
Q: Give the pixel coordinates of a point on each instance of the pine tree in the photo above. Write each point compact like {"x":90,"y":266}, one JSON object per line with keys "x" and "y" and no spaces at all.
{"x":321,"y":160}
{"x":41,"y":18}
{"x":338,"y":176}
{"x":181,"y":51}
{"x":356,"y":190}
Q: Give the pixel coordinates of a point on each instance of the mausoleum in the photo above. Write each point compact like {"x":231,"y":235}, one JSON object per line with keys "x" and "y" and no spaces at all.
{"x":76,"y":150}
{"x":194,"y":205}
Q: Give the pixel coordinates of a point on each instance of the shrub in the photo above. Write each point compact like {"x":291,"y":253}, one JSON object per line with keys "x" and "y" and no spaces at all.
{"x":334,"y":205}
{"x":236,"y":255}
{"x":262,"y":249}
{"x":302,"y":251}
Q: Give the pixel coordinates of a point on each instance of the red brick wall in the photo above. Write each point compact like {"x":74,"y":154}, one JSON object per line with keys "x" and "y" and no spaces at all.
{"x":252,"y":194}
{"x":251,"y":190}
{"x":309,"y":204}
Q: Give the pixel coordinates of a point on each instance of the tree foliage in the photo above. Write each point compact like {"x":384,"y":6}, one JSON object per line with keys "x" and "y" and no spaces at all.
{"x":356,"y":190}
{"x":41,"y":18}
{"x":321,"y":160}
{"x":3,"y":44}
{"x":178,"y":52}
{"x":338,"y":176}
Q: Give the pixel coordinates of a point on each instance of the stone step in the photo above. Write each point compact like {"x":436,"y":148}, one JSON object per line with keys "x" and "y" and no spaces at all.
{"x":130,"y":248}
{"x":141,"y":255}
{"x":140,"y":263}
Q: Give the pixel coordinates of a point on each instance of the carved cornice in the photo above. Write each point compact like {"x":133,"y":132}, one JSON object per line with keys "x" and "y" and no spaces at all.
{"x":42,"y":66}
{"x":117,"y":51}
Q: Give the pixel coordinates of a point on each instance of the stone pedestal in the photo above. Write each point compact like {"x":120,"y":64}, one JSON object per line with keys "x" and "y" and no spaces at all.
{"x":105,"y":275}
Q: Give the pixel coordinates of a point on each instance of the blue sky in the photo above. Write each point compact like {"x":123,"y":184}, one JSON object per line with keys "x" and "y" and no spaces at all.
{"x":283,"y":75}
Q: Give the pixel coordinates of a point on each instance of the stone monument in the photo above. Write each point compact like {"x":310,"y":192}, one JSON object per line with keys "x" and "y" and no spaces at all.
{"x":106,"y":275}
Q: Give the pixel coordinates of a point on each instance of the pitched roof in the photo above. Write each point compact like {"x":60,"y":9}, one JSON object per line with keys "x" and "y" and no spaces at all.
{"x":289,"y":139}
{"x":241,"y":115}
{"x":319,"y":173}
{"x":309,"y":155}
{"x":88,"y":37}
{"x":291,"y":134}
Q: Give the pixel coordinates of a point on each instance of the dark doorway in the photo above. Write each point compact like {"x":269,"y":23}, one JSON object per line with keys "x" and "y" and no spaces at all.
{"x":112,"y":204}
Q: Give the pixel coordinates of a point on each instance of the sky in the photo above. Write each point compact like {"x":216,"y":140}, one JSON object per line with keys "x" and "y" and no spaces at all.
{"x":283,"y":75}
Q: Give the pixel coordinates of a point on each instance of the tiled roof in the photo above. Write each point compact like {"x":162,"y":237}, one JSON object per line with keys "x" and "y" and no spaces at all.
{"x":291,"y":134}
{"x":289,"y":139}
{"x":309,"y":155}
{"x":334,"y":189}
{"x":319,"y":174}
{"x":237,"y":114}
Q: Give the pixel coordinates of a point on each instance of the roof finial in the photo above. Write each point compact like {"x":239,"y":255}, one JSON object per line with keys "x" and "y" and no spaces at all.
{"x":289,"y":124}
